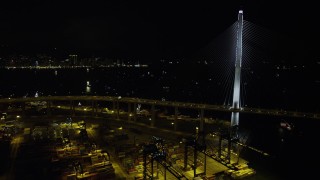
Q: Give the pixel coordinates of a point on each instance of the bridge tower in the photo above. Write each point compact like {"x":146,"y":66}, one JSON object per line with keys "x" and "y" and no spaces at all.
{"x":237,"y":74}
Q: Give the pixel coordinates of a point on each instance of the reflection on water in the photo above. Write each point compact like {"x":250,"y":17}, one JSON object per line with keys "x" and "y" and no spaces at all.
{"x":88,"y":89}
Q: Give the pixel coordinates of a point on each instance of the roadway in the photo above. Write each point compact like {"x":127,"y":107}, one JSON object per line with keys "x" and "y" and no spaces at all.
{"x":221,"y":108}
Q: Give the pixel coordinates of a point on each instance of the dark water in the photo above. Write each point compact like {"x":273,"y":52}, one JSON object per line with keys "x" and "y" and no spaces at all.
{"x":291,"y":151}
{"x":292,"y":90}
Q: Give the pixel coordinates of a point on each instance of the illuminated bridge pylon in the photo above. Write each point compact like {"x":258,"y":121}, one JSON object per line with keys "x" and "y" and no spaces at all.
{"x":237,"y":74}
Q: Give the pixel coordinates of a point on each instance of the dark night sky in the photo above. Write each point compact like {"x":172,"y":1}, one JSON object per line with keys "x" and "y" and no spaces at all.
{"x":152,"y":29}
